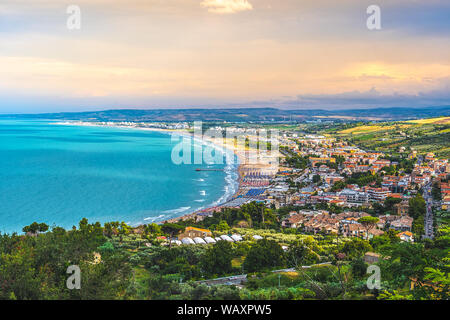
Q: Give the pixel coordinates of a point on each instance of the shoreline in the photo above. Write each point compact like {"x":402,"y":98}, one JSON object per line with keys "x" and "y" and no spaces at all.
{"x":223,"y":148}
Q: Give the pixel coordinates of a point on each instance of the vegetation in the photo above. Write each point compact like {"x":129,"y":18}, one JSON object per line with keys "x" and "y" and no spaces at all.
{"x":34,"y":267}
{"x":363,"y":179}
{"x":263,"y":255}
{"x":115,"y":264}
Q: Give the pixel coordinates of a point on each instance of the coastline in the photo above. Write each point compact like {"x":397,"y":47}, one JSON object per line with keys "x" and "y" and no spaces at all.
{"x":223,"y":147}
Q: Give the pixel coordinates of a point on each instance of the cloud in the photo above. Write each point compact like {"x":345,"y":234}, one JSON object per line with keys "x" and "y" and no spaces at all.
{"x":369,"y":99}
{"x":144,"y":52}
{"x":226,"y":6}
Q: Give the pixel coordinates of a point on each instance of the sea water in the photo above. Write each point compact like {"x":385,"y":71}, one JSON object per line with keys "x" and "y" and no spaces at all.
{"x":59,"y":174}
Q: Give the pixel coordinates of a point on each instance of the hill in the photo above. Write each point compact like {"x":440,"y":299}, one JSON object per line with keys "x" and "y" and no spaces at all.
{"x":244,"y":115}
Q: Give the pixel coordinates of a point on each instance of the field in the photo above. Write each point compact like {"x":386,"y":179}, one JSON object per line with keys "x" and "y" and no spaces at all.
{"x":373,"y":128}
{"x":441,"y":120}
{"x":424,"y":135}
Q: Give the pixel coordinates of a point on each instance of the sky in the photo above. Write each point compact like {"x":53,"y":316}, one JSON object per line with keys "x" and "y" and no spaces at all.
{"x":293,"y":54}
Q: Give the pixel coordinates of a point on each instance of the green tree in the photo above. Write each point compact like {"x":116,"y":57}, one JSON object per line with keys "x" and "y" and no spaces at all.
{"x":436,"y":192}
{"x":217,"y":259}
{"x":417,"y":207}
{"x":359,"y":268}
{"x":264,"y":254}
{"x":389,"y":203}
{"x":35,"y":228}
{"x":222,"y":226}
{"x":368,"y":223}
{"x":338,"y":186}
{"x":300,"y":254}
{"x":356,"y":247}
{"x":316,"y":178}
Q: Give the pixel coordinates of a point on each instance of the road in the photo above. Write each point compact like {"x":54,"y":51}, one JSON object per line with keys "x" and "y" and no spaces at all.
{"x":240,"y":279}
{"x":429,"y":232}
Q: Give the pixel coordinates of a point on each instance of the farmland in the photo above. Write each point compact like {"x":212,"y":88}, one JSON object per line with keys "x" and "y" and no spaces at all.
{"x":424,"y":135}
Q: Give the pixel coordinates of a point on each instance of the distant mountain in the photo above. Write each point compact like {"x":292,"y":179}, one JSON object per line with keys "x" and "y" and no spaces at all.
{"x":242,"y":115}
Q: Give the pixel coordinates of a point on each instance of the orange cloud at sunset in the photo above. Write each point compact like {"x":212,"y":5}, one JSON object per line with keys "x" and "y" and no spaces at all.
{"x":186,"y":51}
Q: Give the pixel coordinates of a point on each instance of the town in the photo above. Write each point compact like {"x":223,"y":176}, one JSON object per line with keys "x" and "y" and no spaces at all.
{"x":334,"y":184}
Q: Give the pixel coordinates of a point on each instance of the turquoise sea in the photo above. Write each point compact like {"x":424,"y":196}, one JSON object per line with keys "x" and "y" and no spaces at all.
{"x":58,"y":174}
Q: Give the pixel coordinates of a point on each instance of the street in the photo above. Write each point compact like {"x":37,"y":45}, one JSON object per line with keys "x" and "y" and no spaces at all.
{"x":429,"y":232}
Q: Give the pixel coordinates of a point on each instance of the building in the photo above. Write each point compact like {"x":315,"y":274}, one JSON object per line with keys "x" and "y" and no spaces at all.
{"x":192,"y":232}
{"x":353,"y":196}
{"x":402,"y":208}
{"x":314,"y":161}
{"x":406,"y":236}
{"x":402,"y":224}
{"x":294,"y":221}
{"x":371,"y":257}
{"x":378,"y":194}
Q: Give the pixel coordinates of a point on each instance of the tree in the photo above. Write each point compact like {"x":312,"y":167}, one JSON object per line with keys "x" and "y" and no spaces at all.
{"x":338,"y":186}
{"x":264,"y":254}
{"x":217,"y":259}
{"x":171,"y":229}
{"x":405,"y":262}
{"x":418,"y":226}
{"x":417,"y":207}
{"x":378,"y":209}
{"x":368,"y":223}
{"x":35,"y":227}
{"x":436,"y":192}
{"x":359,"y":268}
{"x":356,"y":247}
{"x":389,"y":203}
{"x":111,"y":228}
{"x":154,"y":229}
{"x":316,"y":178}
{"x":441,"y":283}
{"x":35,"y":268}
{"x":389,"y":237}
{"x":223,"y":226}
{"x":300,"y":254}
{"x":43,"y":227}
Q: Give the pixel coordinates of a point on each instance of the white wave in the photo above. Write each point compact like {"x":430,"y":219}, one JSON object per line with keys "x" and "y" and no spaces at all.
{"x":232,"y":183}
{"x":203,"y":193}
{"x":179,"y":210}
{"x":200,"y":200}
{"x":154,"y":218}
